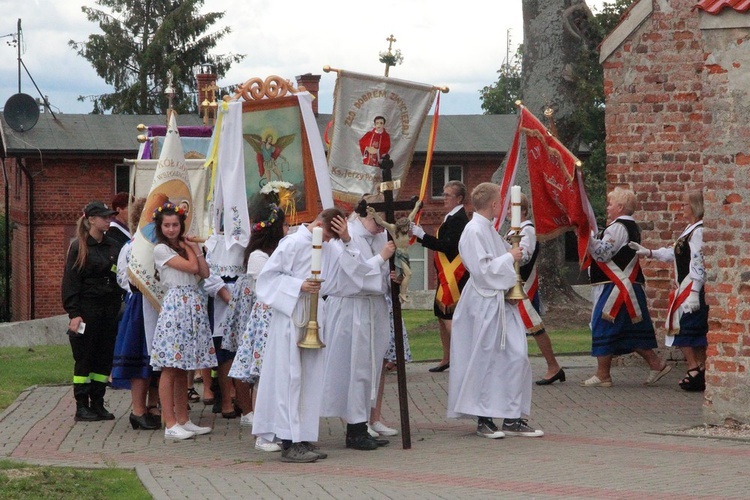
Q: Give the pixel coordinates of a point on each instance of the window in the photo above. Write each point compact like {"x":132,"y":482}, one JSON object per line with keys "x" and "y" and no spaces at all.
{"x":418,"y":265}
{"x":122,"y":178}
{"x":442,"y":174}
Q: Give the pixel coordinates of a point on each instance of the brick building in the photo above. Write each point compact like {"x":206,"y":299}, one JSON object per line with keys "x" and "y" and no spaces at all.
{"x":60,"y":164}
{"x":676,"y":76}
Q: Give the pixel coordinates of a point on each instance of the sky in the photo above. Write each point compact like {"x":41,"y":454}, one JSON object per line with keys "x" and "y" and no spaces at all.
{"x":462,"y":48}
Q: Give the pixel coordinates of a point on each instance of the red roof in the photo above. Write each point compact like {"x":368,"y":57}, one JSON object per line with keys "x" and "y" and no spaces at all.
{"x":716,"y":6}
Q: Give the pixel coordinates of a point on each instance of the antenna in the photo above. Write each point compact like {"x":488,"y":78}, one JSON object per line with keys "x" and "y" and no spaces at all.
{"x":20,"y":64}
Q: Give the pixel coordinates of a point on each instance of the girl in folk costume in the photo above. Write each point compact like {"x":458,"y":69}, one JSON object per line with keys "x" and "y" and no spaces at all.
{"x":532,"y":307}
{"x":182,"y":340}
{"x":267,"y":231}
{"x":687,"y":317}
{"x":490,"y":373}
{"x":226,"y":267}
{"x":92,"y":299}
{"x":131,"y":368}
{"x":620,"y":322}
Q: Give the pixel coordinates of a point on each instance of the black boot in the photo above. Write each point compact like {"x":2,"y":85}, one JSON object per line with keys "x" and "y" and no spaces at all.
{"x":358,"y":438}
{"x":83,"y":412}
{"x":216,"y":389}
{"x":97,"y":401}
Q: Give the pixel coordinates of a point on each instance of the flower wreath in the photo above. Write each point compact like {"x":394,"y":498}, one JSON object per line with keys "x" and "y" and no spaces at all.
{"x":272,"y":218}
{"x":170,"y":207}
{"x":283,"y":194}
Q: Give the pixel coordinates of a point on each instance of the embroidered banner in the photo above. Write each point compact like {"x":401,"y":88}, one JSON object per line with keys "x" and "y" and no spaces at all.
{"x":171,"y":183}
{"x":558,"y":194}
{"x":373,"y":116}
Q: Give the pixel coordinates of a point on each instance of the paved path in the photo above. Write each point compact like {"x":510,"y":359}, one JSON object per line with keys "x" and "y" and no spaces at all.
{"x":599,"y":443}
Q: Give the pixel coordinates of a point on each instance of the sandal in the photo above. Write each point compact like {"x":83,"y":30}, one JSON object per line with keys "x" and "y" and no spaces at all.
{"x":655,"y":375}
{"x":694,"y":380}
{"x":193,"y":396}
{"x":156,"y":411}
{"x":390,"y":366}
{"x":595,"y":381}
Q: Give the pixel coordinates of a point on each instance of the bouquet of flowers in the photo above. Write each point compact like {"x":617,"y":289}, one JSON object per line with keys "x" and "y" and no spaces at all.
{"x":283,"y":194}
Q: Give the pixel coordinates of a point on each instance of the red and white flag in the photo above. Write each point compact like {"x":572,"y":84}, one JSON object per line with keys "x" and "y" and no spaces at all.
{"x":558,"y":194}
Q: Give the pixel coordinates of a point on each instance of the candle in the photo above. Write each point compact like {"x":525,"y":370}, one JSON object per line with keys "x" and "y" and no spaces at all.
{"x":317,"y":250}
{"x":515,"y":207}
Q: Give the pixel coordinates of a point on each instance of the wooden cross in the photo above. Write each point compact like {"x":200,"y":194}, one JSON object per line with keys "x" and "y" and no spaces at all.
{"x":389,"y":206}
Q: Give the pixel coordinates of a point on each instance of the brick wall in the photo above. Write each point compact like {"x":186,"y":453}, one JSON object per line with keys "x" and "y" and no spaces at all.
{"x":62,"y":187}
{"x":726,"y":158}
{"x":655,"y":129}
{"x":677,"y":107}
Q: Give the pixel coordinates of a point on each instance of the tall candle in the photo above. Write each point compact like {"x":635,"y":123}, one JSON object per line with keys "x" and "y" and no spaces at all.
{"x":317,"y":250}
{"x":515,"y":207}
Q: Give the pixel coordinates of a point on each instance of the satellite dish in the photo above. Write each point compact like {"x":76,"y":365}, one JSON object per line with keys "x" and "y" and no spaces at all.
{"x":21,"y":112}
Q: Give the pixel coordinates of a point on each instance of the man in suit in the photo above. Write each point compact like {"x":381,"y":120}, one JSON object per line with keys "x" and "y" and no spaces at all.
{"x":452,"y":275}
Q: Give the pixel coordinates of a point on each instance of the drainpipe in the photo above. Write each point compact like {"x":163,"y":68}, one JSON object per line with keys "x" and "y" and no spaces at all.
{"x":6,"y":292}
{"x":32,"y":287}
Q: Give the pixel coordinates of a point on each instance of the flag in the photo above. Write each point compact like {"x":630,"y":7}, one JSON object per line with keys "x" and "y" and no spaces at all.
{"x":171,"y":183}
{"x":373,"y":116}
{"x":558,"y":194}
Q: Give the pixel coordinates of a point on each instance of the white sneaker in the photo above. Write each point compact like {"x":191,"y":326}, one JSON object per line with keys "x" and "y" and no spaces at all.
{"x":247,"y":420}
{"x":264,"y":445}
{"x":383,"y":429}
{"x":177,"y":432}
{"x":372,"y":431}
{"x":197,"y":429}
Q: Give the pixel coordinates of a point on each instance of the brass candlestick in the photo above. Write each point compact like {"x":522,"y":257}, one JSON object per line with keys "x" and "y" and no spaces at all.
{"x":517,"y":292}
{"x":311,"y":339}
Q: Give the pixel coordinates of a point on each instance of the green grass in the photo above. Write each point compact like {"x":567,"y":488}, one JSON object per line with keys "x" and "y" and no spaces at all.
{"x":424,"y":339}
{"x":23,"y":481}
{"x":22,"y":367}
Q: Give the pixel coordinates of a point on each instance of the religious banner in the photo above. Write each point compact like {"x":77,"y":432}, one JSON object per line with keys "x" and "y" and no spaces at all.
{"x":282,"y":146}
{"x":373,"y":117}
{"x":171,"y":183}
{"x":558,"y":195}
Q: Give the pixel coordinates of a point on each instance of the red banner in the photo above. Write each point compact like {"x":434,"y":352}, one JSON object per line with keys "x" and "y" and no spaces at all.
{"x":558,"y":196}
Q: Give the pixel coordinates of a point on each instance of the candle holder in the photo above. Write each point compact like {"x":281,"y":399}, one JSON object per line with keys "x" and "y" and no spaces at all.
{"x":311,"y":339}
{"x":517,"y":292}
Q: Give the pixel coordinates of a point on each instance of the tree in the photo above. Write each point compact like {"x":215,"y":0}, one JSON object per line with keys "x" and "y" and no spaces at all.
{"x":142,"y":41}
{"x":500,"y":97}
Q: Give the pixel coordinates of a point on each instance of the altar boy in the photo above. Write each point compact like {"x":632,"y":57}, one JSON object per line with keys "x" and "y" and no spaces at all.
{"x":290,"y":392}
{"x":490,"y":373}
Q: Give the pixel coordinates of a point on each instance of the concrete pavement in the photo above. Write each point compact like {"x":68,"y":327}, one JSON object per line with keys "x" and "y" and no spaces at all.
{"x":599,"y":443}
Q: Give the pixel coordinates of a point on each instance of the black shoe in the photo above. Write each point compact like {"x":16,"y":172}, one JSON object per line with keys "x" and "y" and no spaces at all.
{"x":311,"y":447}
{"x":560,"y":375}
{"x":85,"y":414}
{"x":440,"y":368}
{"x":143,"y":422}
{"x":361,"y":442}
{"x":98,"y":408}
{"x":379,"y":441}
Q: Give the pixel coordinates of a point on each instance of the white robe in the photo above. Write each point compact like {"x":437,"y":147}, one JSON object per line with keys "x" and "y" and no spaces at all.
{"x":487,"y":378}
{"x":357,"y":334}
{"x":290,"y":391}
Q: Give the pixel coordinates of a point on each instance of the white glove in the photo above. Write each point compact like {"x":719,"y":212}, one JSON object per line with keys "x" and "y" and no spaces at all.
{"x":416,"y":230}
{"x":640,"y":250}
{"x":692,"y":303}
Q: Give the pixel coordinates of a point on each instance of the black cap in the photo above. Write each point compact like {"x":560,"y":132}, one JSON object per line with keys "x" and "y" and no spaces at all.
{"x":99,"y":209}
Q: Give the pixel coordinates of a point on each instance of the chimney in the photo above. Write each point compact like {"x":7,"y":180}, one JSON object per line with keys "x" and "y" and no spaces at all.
{"x":207,"y":88}
{"x":311,"y":83}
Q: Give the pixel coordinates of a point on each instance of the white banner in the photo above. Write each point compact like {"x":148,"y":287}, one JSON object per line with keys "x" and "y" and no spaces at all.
{"x":171,"y":182}
{"x":373,"y":116}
